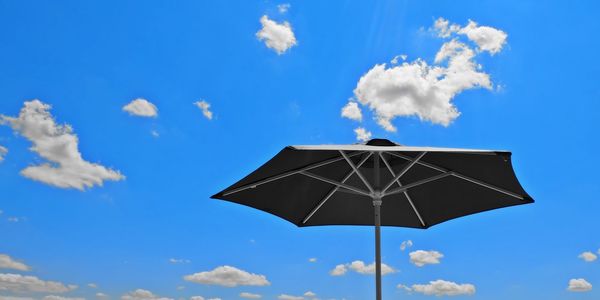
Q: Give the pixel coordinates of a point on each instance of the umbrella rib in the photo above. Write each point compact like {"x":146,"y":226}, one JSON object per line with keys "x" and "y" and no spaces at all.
{"x":336,"y":183}
{"x":417,"y":183}
{"x":335,"y":189}
{"x":413,"y":161}
{"x":289,"y":173}
{"x":463,"y":177}
{"x":405,"y":192}
{"x":357,"y":171}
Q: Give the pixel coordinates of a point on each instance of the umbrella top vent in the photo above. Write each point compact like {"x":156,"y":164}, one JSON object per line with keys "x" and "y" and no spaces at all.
{"x":381,"y":142}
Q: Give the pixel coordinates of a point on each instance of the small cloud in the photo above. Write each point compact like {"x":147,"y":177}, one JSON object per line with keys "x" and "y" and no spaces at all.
{"x":588,"y":256}
{"x":339,"y":270}
{"x":92,"y":285}
{"x":421,"y":257}
{"x":283,"y":8}
{"x":3,"y":152}
{"x":141,"y":294}
{"x":246,"y":295}
{"x":404,"y":287}
{"x":7,"y":262}
{"x":180,"y":288}
{"x":579,"y":285}
{"x":228,"y":276}
{"x":362,"y":134}
{"x":289,"y":297}
{"x":312,"y":259}
{"x":352,"y":111}
{"x":277,"y":36}
{"x":395,"y":61}
{"x":154,"y":133}
{"x":310,"y":294}
{"x":204,"y":106}
{"x":14,"y":219}
{"x":406,"y":244}
{"x":360,"y":267}
{"x":179,"y":261}
{"x":141,"y":108}
{"x":443,"y":288}
{"x":102,"y":296}
{"x":53,"y":297}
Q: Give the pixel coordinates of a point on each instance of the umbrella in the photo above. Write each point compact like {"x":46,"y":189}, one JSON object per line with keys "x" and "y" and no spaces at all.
{"x":379,"y":183}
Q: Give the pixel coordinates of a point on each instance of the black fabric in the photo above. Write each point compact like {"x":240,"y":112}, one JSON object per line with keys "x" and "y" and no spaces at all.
{"x":294,"y":197}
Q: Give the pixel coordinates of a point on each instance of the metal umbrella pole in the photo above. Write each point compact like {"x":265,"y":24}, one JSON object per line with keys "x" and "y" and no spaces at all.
{"x":377,"y":211}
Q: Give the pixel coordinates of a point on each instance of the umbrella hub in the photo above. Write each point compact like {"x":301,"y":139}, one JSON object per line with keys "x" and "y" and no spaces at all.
{"x":381,"y":142}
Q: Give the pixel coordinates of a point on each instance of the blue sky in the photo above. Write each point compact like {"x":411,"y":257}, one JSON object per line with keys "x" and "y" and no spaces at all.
{"x":88,"y":59}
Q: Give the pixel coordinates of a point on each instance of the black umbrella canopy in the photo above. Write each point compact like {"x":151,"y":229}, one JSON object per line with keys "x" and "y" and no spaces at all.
{"x":418,"y":186}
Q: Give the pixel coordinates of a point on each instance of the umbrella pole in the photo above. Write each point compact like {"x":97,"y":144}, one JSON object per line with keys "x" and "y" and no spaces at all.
{"x":377,"y":209}
{"x":377,"y":212}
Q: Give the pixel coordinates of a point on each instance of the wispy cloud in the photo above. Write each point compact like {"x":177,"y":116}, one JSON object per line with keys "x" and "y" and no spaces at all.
{"x":59,"y":146}
{"x":283,"y":8}
{"x":3,"y":152}
{"x":277,"y":36}
{"x":7,"y":262}
{"x":247,"y":295}
{"x":362,"y":134}
{"x":406,"y":244}
{"x":179,"y":261}
{"x":205,"y":108}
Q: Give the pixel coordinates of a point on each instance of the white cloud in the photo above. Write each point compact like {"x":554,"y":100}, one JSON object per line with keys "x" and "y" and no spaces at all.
{"x":179,"y":261}
{"x":426,"y":90}
{"x":142,"y":108}
{"x":362,"y":134}
{"x":339,"y":270}
{"x":3,"y":152}
{"x":15,"y":298}
{"x":92,"y":285}
{"x":421,"y":257}
{"x":310,"y":294}
{"x":228,"y":276}
{"x":154,"y":133}
{"x":196,"y":298}
{"x":53,"y":297}
{"x":7,"y":262}
{"x":395,"y":61}
{"x":58,"y":145}
{"x":487,"y":38}
{"x":283,"y":8}
{"x":19,"y":283}
{"x":417,"y":89}
{"x":404,"y":287}
{"x":579,"y":285}
{"x":141,"y":294}
{"x":205,"y":107}
{"x":289,"y":297}
{"x":588,"y":256}
{"x":361,"y":268}
{"x":14,"y":219}
{"x":444,"y":29}
{"x":247,"y":295}
{"x":277,"y":36}
{"x":444,"y":288}
{"x":352,"y":111}
{"x":406,"y":244}
{"x":101,"y":296}
{"x":312,"y":259}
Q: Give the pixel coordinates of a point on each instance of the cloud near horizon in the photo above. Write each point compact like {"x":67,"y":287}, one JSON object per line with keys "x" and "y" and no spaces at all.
{"x":228,"y":276}
{"x":441,"y":288}
{"x":17,"y":283}
{"x":57,"y":144}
